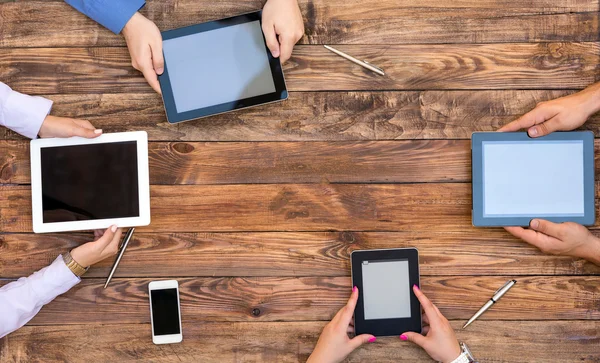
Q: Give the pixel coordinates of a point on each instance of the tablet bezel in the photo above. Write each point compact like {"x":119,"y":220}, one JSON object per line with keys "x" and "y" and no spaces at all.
{"x":141,"y":137}
{"x":386,"y":327}
{"x":477,"y":140}
{"x":173,"y":116}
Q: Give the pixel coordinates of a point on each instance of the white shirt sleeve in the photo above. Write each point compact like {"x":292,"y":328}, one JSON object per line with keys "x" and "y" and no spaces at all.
{"x":22,"y":299}
{"x":22,"y":113}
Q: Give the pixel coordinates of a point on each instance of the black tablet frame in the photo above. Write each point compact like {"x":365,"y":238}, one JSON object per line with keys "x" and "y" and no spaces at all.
{"x":173,"y":116}
{"x":386,"y":327}
{"x":477,"y":140}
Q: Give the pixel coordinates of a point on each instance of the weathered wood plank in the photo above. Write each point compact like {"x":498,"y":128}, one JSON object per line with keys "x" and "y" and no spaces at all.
{"x":290,"y":162}
{"x":55,"y":24}
{"x":292,"y":207}
{"x":314,"y":68}
{"x":544,"y":342}
{"x":317,"y":116}
{"x":432,"y":207}
{"x":319,"y":298}
{"x":481,"y":252}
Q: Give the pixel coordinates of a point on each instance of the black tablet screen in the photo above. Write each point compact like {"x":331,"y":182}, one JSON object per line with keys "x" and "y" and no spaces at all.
{"x":386,"y":289}
{"x":218,"y":66}
{"x":87,"y":182}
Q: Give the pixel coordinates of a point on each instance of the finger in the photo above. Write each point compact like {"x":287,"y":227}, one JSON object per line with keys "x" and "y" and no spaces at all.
{"x":148,"y":71}
{"x":350,"y":329}
{"x":113,"y":246}
{"x":427,"y":305}
{"x":416,"y":338}
{"x":271,"y":38}
{"x":85,"y":124}
{"x":425,"y":330}
{"x":157,"y":58}
{"x":286,"y":43}
{"x":537,"y":239}
{"x":359,"y":340}
{"x":107,"y":237}
{"x":544,"y":128}
{"x":546,"y":227}
{"x":85,"y":129}
{"x":536,"y":116}
{"x":348,"y":310}
{"x":425,"y":319}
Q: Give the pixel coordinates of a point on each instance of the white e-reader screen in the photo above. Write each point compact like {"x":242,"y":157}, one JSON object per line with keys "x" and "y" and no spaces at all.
{"x":89,"y":182}
{"x":386,"y":289}
{"x":535,"y":178}
{"x":218,"y":66}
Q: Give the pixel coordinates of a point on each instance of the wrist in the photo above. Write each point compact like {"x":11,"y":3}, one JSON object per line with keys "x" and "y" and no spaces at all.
{"x":592,"y":252}
{"x":80,"y":258}
{"x":130,"y":24}
{"x":591,"y":102}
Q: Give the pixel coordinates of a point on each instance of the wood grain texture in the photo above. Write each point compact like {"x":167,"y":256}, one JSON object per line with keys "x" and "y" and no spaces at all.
{"x":314,"y":68}
{"x":480,"y":252}
{"x":317,"y":116}
{"x":293,"y":207}
{"x":55,"y":24}
{"x":547,"y":342}
{"x":319,"y":298}
{"x":289,"y":162}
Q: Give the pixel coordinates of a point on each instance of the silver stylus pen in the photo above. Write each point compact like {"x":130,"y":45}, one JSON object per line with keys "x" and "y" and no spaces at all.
{"x":121,"y":252}
{"x":497,"y":295}
{"x":361,"y":63}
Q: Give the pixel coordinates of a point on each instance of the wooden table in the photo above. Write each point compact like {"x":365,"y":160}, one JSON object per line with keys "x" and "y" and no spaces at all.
{"x":256,"y":212}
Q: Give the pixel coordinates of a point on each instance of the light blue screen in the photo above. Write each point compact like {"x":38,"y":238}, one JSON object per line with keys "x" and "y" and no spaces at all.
{"x":537,"y":178}
{"x":218,"y":66}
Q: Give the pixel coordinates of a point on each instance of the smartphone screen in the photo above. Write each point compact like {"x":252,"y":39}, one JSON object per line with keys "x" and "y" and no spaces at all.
{"x":165,"y":311}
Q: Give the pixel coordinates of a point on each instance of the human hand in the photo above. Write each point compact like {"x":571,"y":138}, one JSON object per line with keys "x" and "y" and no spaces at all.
{"x":439,"y":340}
{"x":54,"y":126}
{"x":567,"y":239}
{"x":145,"y":48}
{"x":283,"y":26}
{"x":334,"y":345}
{"x":92,"y":252}
{"x":562,"y":114}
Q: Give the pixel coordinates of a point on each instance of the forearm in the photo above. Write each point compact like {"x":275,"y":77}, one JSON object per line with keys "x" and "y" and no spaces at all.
{"x":592,"y":251}
{"x":112,"y":14}
{"x":591,"y":97}
{"x":21,"y":300}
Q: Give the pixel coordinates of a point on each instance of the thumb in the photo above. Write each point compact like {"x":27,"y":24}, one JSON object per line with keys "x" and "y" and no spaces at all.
{"x":158,"y":60}
{"x":546,"y":227}
{"x":107,"y":237}
{"x":359,"y":340}
{"x":416,"y":338}
{"x":544,"y":128}
{"x":271,"y":39}
{"x":81,"y":131}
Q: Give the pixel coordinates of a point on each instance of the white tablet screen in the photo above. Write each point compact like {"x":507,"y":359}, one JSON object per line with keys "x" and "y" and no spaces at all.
{"x":218,"y":66}
{"x":89,"y":182}
{"x":386,"y":288}
{"x":536,"y":178}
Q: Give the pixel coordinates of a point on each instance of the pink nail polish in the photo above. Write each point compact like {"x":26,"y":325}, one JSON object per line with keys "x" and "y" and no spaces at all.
{"x":354,"y":289}
{"x":403,"y":337}
{"x":372,"y":340}
{"x":416,"y":287}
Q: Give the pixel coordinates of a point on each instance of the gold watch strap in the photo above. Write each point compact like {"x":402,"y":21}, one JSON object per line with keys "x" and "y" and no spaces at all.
{"x":76,"y":268}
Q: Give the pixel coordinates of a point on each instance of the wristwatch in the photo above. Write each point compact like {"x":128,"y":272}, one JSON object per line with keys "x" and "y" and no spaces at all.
{"x":465,"y":356}
{"x":76,"y":268}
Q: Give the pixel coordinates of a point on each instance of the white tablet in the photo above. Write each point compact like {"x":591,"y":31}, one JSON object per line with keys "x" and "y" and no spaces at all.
{"x":85,"y":184}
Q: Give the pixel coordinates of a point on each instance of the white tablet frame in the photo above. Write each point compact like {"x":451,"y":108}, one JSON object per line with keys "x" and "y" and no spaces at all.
{"x":141,"y":137}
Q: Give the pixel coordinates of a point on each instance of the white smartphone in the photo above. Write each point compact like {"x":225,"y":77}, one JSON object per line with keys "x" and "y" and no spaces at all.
{"x":165,"y":313}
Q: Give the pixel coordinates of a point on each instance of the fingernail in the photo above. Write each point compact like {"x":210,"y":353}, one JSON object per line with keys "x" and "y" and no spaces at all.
{"x":403,"y":337}
{"x":416,"y":287}
{"x":98,"y":131}
{"x":113,"y":229}
{"x":372,"y":340}
{"x":160,"y":71}
{"x":276,"y":54}
{"x":535,"y":224}
{"x":533,"y":131}
{"x":354,"y":289}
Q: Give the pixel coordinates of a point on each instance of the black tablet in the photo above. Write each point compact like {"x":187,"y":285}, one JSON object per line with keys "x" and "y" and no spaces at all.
{"x":219,"y":66}
{"x":386,"y":303}
{"x":517,"y":178}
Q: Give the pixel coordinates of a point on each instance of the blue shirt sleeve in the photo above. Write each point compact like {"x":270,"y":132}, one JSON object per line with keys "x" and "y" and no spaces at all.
{"x":112,"y":14}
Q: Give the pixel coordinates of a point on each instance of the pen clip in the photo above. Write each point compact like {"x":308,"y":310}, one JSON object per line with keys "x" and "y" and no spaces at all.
{"x":374,"y":66}
{"x":503,"y":286}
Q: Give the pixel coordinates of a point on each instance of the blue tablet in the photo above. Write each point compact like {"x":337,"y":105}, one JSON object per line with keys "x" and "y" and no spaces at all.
{"x":219,"y":66}
{"x":517,"y":178}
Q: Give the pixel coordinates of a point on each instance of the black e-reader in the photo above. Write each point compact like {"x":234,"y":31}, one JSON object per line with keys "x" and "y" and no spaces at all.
{"x":517,"y":178}
{"x":386,"y":303}
{"x":218,"y":66}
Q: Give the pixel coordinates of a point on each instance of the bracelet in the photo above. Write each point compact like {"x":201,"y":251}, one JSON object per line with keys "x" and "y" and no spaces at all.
{"x":462,"y":358}
{"x":75,"y":267}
